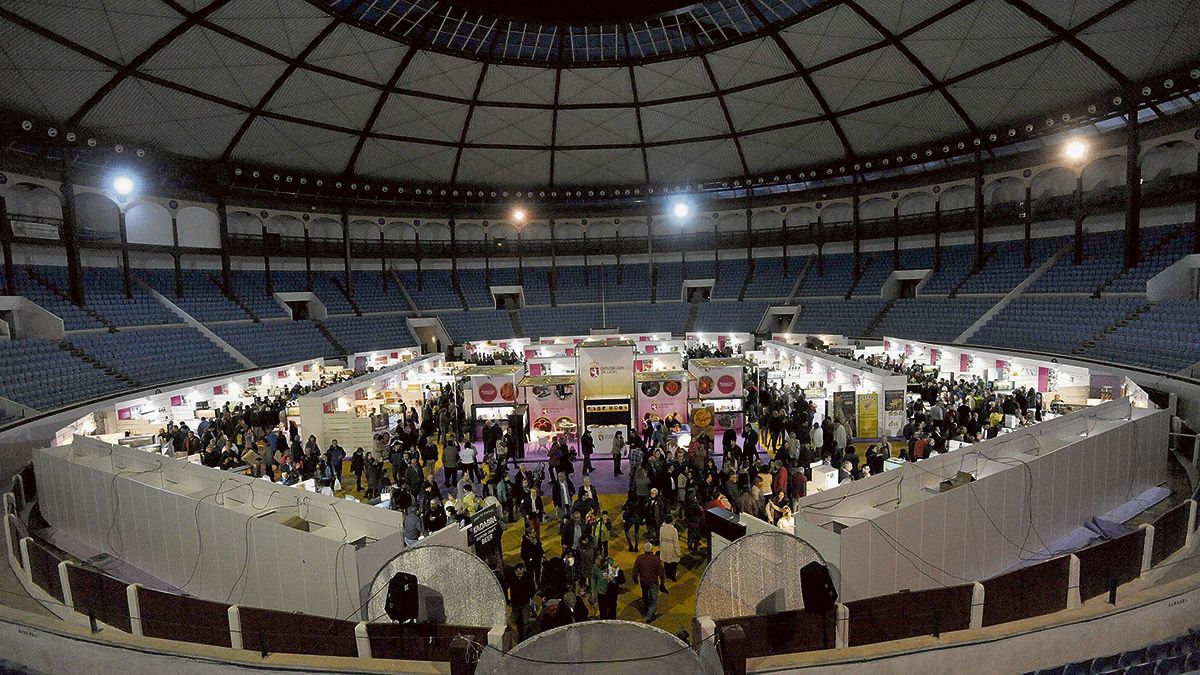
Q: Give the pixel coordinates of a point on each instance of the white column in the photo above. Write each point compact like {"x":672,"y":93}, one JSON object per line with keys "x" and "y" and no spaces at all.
{"x":841,"y":636}
{"x":1191,"y":526}
{"x":977,"y":601}
{"x":10,"y":527}
{"x":135,"y":610}
{"x":1147,"y":547}
{"x":25,"y":568}
{"x":65,"y":580}
{"x":235,"y":627}
{"x":362,"y":640}
{"x":1073,"y":599}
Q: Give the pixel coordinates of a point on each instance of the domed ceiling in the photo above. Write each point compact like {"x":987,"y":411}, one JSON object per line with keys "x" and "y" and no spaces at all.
{"x":534,"y":93}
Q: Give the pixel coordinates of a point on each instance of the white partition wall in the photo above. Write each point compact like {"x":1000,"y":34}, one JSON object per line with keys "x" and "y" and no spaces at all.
{"x":212,"y":534}
{"x":1033,"y":487}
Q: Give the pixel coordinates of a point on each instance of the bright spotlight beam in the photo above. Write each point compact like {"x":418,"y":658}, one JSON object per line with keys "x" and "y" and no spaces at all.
{"x":518,"y":215}
{"x":1075,"y":150}
{"x":123,"y":185}
{"x":681,"y":209}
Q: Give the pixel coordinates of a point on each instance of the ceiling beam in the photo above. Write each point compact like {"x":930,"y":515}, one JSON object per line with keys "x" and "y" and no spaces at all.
{"x":798,"y":67}
{"x":1071,"y":37}
{"x":462,"y":138}
{"x":265,"y":100}
{"x":637,"y":113}
{"x":733,"y":132}
{"x":369,"y":126}
{"x":190,"y":20}
{"x":901,"y":47}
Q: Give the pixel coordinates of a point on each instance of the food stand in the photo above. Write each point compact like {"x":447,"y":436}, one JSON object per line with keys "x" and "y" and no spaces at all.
{"x":494,"y":395}
{"x":553,"y":405}
{"x":661,"y":393}
{"x":718,"y":388}
{"x":605,"y":372}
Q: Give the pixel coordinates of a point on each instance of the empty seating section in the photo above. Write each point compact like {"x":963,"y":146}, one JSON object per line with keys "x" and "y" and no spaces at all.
{"x":74,"y":318}
{"x":957,"y":263}
{"x":1167,"y":337}
{"x":700,"y":269}
{"x":1006,"y":268}
{"x":742,"y":317}
{"x":1161,"y":248}
{"x":373,"y":296}
{"x":1169,"y":657}
{"x":628,"y":283}
{"x":551,"y":321}
{"x":368,"y":333}
{"x":916,"y":258}
{"x":662,"y":317}
{"x":833,"y":280}
{"x":670,"y":282}
{"x":106,"y":295}
{"x":536,"y":286}
{"x":769,"y":279}
{"x":1057,"y":325}
{"x":435,"y":290}
{"x":876,"y":271}
{"x":932,"y":319}
{"x":276,"y":342}
{"x":157,"y":356}
{"x":39,"y":374}
{"x":577,"y":285}
{"x":324,"y":286}
{"x":201,"y":299}
{"x":474,"y":285}
{"x":1101,"y":262}
{"x":731,"y":276}
{"x":837,"y":317}
{"x":250,"y":288}
{"x":481,"y":324}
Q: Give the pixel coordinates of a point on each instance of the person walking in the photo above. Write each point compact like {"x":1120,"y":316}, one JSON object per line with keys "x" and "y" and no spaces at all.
{"x":649,"y":573}
{"x":668,"y":546}
{"x":618,"y":449}
{"x":450,"y":454}
{"x":606,"y":582}
{"x":587,"y":447}
{"x":357,"y":464}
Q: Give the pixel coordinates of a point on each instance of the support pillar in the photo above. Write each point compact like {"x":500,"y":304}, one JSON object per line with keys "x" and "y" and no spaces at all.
{"x":6,"y":234}
{"x":749,"y":229}
{"x":553,"y":246}
{"x":1133,"y":188}
{"x":820,"y":246}
{"x":520,"y":260}
{"x":70,"y":234}
{"x":270,"y":287}
{"x":223,"y":226}
{"x":856,"y":219}
{"x":784,"y":239}
{"x":896,"y":237}
{"x":346,"y":251}
{"x":383,"y":275}
{"x":937,"y":235}
{"x":979,"y":253}
{"x":308,"y":279}
{"x":1028,"y":218}
{"x":176,"y":256}
{"x":1078,"y":257}
{"x":1196,"y":208}
{"x":126,"y":275}
{"x":487,"y":259}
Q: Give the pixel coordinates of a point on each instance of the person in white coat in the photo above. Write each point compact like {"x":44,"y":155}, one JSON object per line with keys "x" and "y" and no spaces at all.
{"x":668,"y":544}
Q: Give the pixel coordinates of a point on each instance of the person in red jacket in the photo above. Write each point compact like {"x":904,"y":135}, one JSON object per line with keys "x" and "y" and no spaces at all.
{"x":648,"y":571}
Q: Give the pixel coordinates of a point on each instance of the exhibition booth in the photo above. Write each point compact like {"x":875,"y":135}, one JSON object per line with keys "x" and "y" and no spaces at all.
{"x":717,"y":395}
{"x":135,"y":422}
{"x":354,"y":410}
{"x":383,"y":358}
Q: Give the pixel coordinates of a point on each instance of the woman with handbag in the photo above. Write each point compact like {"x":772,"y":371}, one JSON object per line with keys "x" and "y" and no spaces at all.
{"x":618,"y":448}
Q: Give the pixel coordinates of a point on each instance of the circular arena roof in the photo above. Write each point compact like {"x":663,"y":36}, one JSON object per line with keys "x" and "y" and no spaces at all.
{"x":542,"y":93}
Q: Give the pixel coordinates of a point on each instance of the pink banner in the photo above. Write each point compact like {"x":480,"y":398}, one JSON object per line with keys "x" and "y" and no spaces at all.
{"x":176,"y":401}
{"x":964,"y":363}
{"x":125,"y":413}
{"x":1043,"y":380}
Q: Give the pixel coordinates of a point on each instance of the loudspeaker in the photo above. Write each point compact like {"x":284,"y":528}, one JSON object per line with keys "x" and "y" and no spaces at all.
{"x":817,"y":588}
{"x":401,"y":602}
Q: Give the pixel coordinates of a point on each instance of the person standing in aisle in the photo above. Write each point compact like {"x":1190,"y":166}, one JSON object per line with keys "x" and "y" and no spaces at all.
{"x":587,"y":446}
{"x":649,"y":573}
{"x":618,"y":449}
{"x":606,"y":581}
{"x":668,"y":546}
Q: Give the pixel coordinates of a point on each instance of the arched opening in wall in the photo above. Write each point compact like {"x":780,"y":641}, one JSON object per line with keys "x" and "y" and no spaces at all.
{"x":1004,"y":195}
{"x":34,"y":211}
{"x":98,"y":217}
{"x":957,"y":198}
{"x":877,"y":209}
{"x":244,"y":224}
{"x":840,"y":213}
{"x":1053,"y":192}
{"x":364,"y":230}
{"x":916,"y":204}
{"x":149,"y":223}
{"x":1168,"y":167}
{"x":198,"y":228}
{"x":1104,"y":180}
{"x":324,"y":230}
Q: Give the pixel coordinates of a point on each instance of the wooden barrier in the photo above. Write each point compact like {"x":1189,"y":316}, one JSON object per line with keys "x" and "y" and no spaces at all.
{"x":97,"y":593}
{"x":910,"y":614}
{"x":176,"y":617}
{"x":1116,"y":560}
{"x":43,"y":569}
{"x":1170,"y":532}
{"x":779,"y":633}
{"x":1030,"y":591}
{"x":289,"y":633}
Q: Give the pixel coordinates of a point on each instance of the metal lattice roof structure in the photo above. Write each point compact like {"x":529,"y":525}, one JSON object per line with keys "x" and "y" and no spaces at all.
{"x":441,"y":92}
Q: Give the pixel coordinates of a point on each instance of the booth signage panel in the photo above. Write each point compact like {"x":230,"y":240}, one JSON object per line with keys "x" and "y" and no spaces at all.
{"x":868,"y":415}
{"x":605,"y":371}
{"x":845,"y":409}
{"x":550,"y":406}
{"x":662,"y":398}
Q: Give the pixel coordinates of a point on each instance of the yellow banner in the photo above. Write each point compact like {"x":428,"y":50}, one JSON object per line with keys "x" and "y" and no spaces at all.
{"x":868,"y":415}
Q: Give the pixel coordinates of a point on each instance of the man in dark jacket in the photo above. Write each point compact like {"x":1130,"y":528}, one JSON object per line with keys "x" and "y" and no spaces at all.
{"x":521,"y":589}
{"x":587,"y":446}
